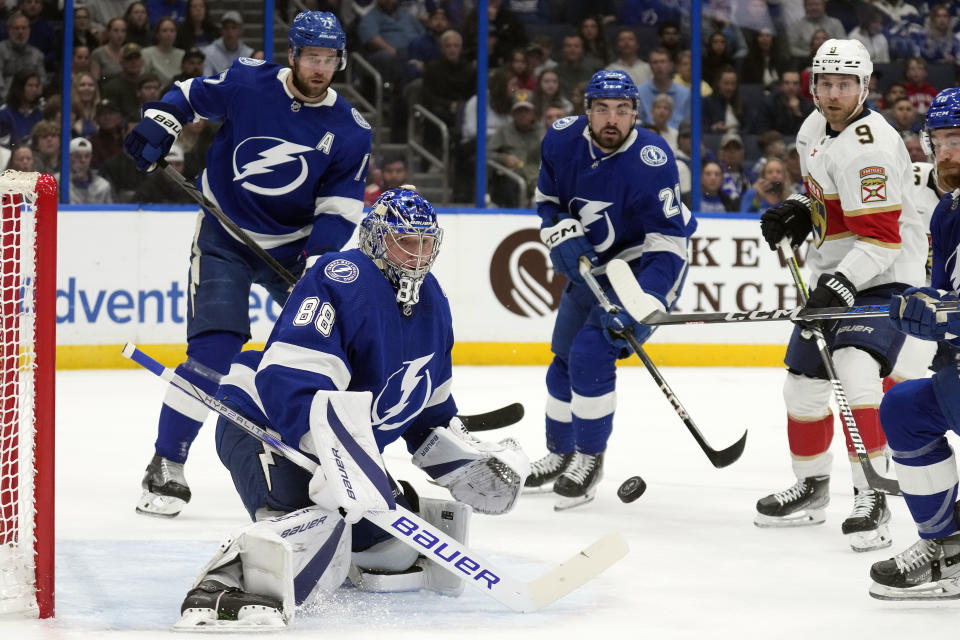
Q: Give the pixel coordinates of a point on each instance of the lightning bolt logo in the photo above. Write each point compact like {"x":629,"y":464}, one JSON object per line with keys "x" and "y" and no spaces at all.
{"x":266,"y":461}
{"x":409,"y":382}
{"x":590,"y":213}
{"x":280,"y":153}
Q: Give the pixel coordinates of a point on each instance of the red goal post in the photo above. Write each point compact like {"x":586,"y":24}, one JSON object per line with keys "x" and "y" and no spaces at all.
{"x":28,"y":244}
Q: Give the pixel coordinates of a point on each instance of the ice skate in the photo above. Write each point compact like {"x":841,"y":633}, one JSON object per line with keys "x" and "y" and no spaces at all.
{"x":801,"y":505}
{"x":544,"y":471}
{"x":927,"y":570}
{"x":165,"y":489}
{"x":214,"y":604}
{"x":578,"y":483}
{"x":866,"y":527}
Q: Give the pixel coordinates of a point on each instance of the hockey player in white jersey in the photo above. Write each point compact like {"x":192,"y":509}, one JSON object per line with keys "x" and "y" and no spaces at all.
{"x":868,"y":243}
{"x":918,"y":413}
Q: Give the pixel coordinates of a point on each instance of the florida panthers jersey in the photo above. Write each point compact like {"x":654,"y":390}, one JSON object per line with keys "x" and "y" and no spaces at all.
{"x":628,"y":201}
{"x":864,"y":221}
{"x":924,"y":192}
{"x":282,"y":169}
{"x":342,"y":330}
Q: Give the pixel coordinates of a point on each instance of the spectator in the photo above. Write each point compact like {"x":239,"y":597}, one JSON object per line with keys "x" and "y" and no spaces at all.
{"x":155,"y":188}
{"x":649,"y":13}
{"x":42,"y":33}
{"x":573,"y":68}
{"x":176,"y":10}
{"x":197,"y":29}
{"x":45,"y":143}
{"x":914,"y":147}
{"x":84,"y":96}
{"x":721,"y":110}
{"x":219,"y":55}
{"x":736,"y":179}
{"x":595,"y":50}
{"x":121,"y":89}
{"x":547,"y":93}
{"x":506,"y":33}
{"x":138,"y":24}
{"x":870,"y":33}
{"x":24,"y":108}
{"x":16,"y":54}
{"x":628,"y":57}
{"x":499,"y":95}
{"x":191,"y":66}
{"x":516,"y":145}
{"x":111,"y":127}
{"x":873,"y":99}
{"x":81,"y":59}
{"x":717,"y":56}
{"x":103,"y":11}
{"x":897,"y":12}
{"x":768,"y":190}
{"x":794,"y":172}
{"x":552,"y":113}
{"x":86,"y":186}
{"x":766,"y":62}
{"x":920,"y":92}
{"x":939,"y":43}
{"x":684,"y":157}
{"x":538,"y":55}
{"x":105,"y":59}
{"x":449,"y":81}
{"x":772,"y":146}
{"x":891,"y":94}
{"x":426,"y":47}
{"x":149,"y":89}
{"x":529,"y":11}
{"x":516,"y":66}
{"x":717,"y":19}
{"x":21,"y":159}
{"x":816,"y":40}
{"x":712,"y":198}
{"x":814,"y":19}
{"x":668,"y":36}
{"x":904,"y":117}
{"x":785,"y":109}
{"x":195,"y":140}
{"x":386,"y":33}
{"x":393,"y":173}
{"x":660,"y":116}
{"x":163,"y":59}
{"x":86,"y":33}
{"x":684,"y":75}
{"x":578,"y":99}
{"x":662,"y":82}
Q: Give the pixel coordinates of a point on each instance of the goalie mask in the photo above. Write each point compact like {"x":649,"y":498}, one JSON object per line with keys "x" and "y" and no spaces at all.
{"x":401,"y":235}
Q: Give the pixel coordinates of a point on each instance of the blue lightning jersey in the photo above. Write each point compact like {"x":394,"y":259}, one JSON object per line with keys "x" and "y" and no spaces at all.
{"x":944,"y":245}
{"x":628,"y":201}
{"x":342,"y":329}
{"x":283,"y":170}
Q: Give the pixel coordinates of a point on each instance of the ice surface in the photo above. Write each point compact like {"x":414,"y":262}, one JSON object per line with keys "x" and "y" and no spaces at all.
{"x":697,"y":568}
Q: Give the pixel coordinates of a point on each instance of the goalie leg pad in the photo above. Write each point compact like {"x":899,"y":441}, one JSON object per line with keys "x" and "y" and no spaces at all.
{"x":453,"y":518}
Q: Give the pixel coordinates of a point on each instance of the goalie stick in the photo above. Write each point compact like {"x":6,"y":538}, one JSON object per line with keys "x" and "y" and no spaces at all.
{"x":718,"y":459}
{"x":406,"y":526}
{"x":874,"y":479}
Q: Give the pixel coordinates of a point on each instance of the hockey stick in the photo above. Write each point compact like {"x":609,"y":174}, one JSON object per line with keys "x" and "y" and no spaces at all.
{"x":230,"y":225}
{"x":719,"y":459}
{"x":406,"y":526}
{"x":874,"y":479}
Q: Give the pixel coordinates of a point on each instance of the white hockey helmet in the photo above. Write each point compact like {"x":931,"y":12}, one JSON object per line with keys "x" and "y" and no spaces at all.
{"x":845,"y":57}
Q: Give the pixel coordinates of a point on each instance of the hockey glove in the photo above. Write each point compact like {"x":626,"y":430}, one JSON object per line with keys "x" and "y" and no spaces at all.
{"x":151,"y":138}
{"x":914,"y":312}
{"x":833,"y":290}
{"x":789,"y":219}
{"x":616,"y":323}
{"x":488,"y":476}
{"x":567,"y":241}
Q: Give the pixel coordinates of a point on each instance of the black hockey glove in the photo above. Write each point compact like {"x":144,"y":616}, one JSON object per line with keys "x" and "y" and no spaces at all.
{"x":789,"y":219}
{"x":832,"y":290}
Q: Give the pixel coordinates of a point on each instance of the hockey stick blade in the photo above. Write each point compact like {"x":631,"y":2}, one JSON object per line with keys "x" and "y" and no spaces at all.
{"x":407,"y":527}
{"x":496,"y":419}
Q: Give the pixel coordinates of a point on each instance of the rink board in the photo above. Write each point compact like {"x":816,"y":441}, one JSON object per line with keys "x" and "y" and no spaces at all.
{"x":122,"y":276}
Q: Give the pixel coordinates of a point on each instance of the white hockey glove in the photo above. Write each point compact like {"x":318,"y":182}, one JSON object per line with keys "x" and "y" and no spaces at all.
{"x":488,"y":476}
{"x":350,"y":475}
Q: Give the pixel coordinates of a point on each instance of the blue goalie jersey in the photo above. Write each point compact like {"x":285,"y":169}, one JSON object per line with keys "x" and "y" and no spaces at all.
{"x":944,"y":244}
{"x":628,"y":201}
{"x":342,"y":330}
{"x":282,"y":169}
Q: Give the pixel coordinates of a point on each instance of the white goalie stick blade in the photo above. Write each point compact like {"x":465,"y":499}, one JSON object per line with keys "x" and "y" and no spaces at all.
{"x":637,"y":303}
{"x":579,"y":569}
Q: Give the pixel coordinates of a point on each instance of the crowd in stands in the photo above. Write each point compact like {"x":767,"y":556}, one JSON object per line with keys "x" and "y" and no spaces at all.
{"x":755,"y":60}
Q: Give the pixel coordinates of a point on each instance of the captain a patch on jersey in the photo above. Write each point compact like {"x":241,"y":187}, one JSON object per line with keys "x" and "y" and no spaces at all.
{"x":873,"y":185}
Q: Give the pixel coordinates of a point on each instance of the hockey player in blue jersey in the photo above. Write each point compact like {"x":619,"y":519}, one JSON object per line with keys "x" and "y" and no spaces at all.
{"x":917,"y":414}
{"x":607,"y":189}
{"x":288,"y":166}
{"x":359,"y":357}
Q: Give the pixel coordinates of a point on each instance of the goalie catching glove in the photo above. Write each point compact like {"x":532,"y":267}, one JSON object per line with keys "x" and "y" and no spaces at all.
{"x":488,"y":476}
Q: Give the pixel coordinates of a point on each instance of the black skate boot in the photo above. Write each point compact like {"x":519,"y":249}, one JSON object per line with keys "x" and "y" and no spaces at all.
{"x":801,"y":505}
{"x":165,"y":489}
{"x":578,"y":483}
{"x":213,"y":603}
{"x":545,"y":470}
{"x":927,"y":570}
{"x":866,"y":526}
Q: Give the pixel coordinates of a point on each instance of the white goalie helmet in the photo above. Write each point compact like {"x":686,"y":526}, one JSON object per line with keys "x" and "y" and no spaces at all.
{"x":845,"y":57}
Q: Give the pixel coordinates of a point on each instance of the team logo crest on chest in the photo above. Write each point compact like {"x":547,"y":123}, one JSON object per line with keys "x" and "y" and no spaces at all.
{"x":270,"y":166}
{"x":873,"y":184}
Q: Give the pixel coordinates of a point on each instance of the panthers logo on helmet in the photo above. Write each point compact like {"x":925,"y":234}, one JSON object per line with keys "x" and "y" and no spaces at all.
{"x":563,"y":123}
{"x":653,"y":156}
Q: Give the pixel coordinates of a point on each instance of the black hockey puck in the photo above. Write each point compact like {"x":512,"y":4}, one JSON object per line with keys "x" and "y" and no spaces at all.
{"x":631,"y":489}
